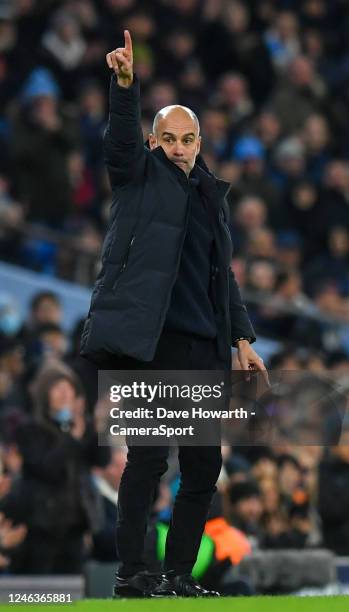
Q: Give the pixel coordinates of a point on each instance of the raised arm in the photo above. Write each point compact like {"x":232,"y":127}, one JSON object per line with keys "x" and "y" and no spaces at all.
{"x":123,"y":140}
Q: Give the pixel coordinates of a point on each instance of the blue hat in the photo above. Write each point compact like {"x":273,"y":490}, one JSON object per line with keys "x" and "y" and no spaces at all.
{"x":248,"y":147}
{"x":39,"y":83}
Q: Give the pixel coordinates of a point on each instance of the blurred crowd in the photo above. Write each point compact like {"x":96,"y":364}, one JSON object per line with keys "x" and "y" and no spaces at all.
{"x":59,"y":486}
{"x":269,"y":81}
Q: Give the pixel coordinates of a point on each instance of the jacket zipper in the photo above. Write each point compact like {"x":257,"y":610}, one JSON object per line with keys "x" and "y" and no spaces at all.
{"x":224,"y":224}
{"x":127,"y":254}
{"x":125,"y":260}
{"x":163,"y":314}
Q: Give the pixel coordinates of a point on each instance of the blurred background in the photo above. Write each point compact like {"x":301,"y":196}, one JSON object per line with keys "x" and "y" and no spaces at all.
{"x":269,"y":81}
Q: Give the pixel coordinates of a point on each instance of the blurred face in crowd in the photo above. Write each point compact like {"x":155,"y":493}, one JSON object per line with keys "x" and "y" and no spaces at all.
{"x":289,"y":478}
{"x":286,"y":25}
{"x":251,"y":213}
{"x":84,"y":11}
{"x":161,"y":95}
{"x":290,"y":258}
{"x":214,"y":125}
{"x":262,"y":243}
{"x":329,"y":300}
{"x":61,"y":394}
{"x":292,"y":286}
{"x":304,"y":196}
{"x":24,"y":6}
{"x":265,"y":469}
{"x":270,"y":494}
{"x":249,"y":509}
{"x":43,"y":107}
{"x":192,"y":76}
{"x":230,"y":171}
{"x":316,"y":364}
{"x":67,"y":30}
{"x":54,"y":343}
{"x":185,"y":6}
{"x":337,"y":175}
{"x":92,"y":102}
{"x":339,"y":242}
{"x":141,"y":25}
{"x":236,"y":17}
{"x":120,"y":5}
{"x":12,"y":459}
{"x":238,"y":265}
{"x":292,"y":164}
{"x":316,"y":133}
{"x":315,"y":8}
{"x":253,"y":166}
{"x":261,"y":276}
{"x":143,"y":66}
{"x":8,"y":35}
{"x":233,"y":89}
{"x":176,"y":130}
{"x":309,"y":457}
{"x":13,"y":362}
{"x":301,"y":72}
{"x":313,"y":44}
{"x":181,"y":43}
{"x":113,"y":471}
{"x":269,"y":128}
{"x":47,"y":311}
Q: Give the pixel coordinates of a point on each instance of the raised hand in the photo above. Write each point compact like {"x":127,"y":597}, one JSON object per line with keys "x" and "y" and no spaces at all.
{"x":121,"y":61}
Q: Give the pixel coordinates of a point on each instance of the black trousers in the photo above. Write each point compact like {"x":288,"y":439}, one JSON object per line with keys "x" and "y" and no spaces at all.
{"x":199,"y":466}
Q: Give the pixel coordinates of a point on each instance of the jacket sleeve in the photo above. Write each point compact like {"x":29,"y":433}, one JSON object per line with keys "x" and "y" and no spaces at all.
{"x":240,"y":322}
{"x":124,"y":151}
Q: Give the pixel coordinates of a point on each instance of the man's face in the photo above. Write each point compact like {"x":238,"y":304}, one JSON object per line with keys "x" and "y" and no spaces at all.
{"x":177,"y":133}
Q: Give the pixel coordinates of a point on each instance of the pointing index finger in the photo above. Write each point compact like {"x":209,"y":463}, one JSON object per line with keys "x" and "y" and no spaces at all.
{"x":128,"y":41}
{"x":264,"y":372}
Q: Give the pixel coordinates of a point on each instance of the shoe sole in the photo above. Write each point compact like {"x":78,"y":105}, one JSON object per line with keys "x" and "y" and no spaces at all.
{"x":128,"y":593}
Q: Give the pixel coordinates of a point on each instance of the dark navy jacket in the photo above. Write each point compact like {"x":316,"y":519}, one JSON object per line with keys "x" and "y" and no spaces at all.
{"x":142,"y":249}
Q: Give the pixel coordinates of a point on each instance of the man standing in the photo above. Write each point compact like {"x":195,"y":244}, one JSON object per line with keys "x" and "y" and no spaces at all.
{"x":165,"y":299}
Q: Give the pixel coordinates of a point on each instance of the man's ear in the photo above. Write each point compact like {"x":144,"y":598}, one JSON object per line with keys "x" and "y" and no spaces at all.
{"x":153,"y":141}
{"x":198,"y":146}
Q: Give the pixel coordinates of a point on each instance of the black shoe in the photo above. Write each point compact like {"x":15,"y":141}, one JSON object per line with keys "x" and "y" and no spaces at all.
{"x":182,"y":586}
{"x":140,"y":585}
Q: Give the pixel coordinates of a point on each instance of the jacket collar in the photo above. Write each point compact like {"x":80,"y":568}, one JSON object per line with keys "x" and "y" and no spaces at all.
{"x":207,"y":179}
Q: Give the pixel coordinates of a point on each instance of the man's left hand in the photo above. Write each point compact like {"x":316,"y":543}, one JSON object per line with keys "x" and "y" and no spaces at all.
{"x":250,"y":361}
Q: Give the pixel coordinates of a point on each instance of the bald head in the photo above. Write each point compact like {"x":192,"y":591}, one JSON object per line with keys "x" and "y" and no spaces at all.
{"x":176,"y":112}
{"x":176,"y":129}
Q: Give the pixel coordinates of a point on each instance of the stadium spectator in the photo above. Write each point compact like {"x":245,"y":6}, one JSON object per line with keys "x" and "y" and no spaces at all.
{"x":54,"y":497}
{"x":42,"y":140}
{"x":107,"y":480}
{"x":244,"y":508}
{"x":333,"y":501}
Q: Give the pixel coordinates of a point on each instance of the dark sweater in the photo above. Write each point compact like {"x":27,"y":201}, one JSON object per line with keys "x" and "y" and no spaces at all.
{"x":191,"y":309}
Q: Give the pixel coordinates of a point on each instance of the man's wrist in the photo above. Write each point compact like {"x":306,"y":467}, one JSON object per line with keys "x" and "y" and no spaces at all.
{"x":126,"y":83}
{"x":241,"y":341}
